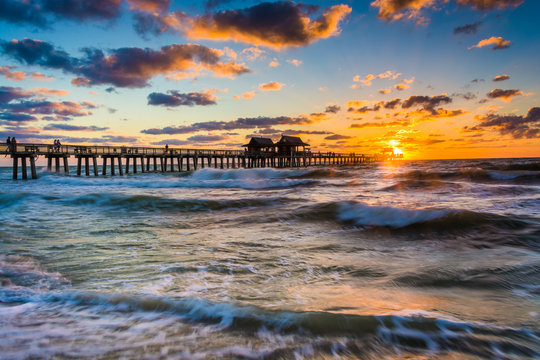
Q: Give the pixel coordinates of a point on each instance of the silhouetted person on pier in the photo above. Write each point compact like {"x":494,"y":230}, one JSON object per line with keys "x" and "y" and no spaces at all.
{"x":13,"y":144}
{"x":8,"y":142}
{"x":166,"y":148}
{"x":55,"y":144}
{"x":58,"y":144}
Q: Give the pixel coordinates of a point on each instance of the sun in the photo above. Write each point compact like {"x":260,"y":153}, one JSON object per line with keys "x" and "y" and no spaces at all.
{"x":394,"y":144}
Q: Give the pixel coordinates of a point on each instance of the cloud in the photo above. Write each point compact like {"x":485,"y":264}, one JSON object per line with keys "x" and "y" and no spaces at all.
{"x":42,"y":13}
{"x":273,"y":63}
{"x":124,"y":67}
{"x":40,"y":77}
{"x":426,"y":102}
{"x":48,"y":92}
{"x":392,"y":10}
{"x":12,"y":75}
{"x":240,"y":123}
{"x":498,"y":43}
{"x":175,"y":98}
{"x":518,"y":126}
{"x":271,"y":86}
{"x":501,"y":77}
{"x":295,"y":62}
{"x":8,"y":93}
{"x":505,"y":95}
{"x":277,"y":24}
{"x":332,"y":109}
{"x":384,"y":91}
{"x":401,"y":87}
{"x":338,"y":137}
{"x":246,"y":95}
{"x":467,"y":29}
{"x":67,"y":127}
{"x":16,"y":105}
{"x":252,"y":53}
{"x":368,"y":79}
{"x":381,"y":124}
{"x":149,"y":5}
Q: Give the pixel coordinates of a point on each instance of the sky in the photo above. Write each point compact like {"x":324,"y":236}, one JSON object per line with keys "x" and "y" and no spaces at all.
{"x":433,"y":79}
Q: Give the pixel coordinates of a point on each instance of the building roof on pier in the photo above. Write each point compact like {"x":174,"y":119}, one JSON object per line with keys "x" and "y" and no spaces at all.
{"x":260,"y":142}
{"x":291,"y":141}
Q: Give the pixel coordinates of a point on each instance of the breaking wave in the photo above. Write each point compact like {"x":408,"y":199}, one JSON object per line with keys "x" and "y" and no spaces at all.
{"x":405,"y":332}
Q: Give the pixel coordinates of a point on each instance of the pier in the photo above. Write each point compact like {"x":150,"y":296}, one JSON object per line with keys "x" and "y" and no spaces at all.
{"x":119,"y":160}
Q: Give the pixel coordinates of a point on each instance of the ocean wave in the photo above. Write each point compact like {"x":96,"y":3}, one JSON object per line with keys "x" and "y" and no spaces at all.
{"x":251,"y":179}
{"x":360,"y":214}
{"x":157,"y":203}
{"x":505,"y":277}
{"x":22,"y":277}
{"x":472,"y":175}
{"x":416,"y":332}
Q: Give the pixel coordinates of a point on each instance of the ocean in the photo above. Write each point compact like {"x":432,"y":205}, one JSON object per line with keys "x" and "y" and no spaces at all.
{"x":401,"y":260}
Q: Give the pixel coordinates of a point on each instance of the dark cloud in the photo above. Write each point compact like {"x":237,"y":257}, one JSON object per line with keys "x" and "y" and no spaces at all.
{"x":476,"y":81}
{"x":501,"y":77}
{"x":9,"y":117}
{"x":332,"y":109}
{"x":467,"y":29}
{"x":18,"y":12}
{"x":426,"y":102}
{"x":518,"y":126}
{"x":82,"y":10}
{"x":338,"y":137}
{"x":466,"y":96}
{"x":111,"y":90}
{"x":505,"y":95}
{"x":240,"y":123}
{"x":175,"y":98}
{"x":365,"y":109}
{"x":8,"y":93}
{"x":392,"y":103}
{"x":42,"y":13}
{"x":35,"y":52}
{"x":275,"y":24}
{"x":67,"y":127}
{"x":124,"y":67}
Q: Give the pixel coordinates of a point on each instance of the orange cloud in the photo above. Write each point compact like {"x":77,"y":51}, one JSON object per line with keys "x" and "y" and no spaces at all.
{"x":149,"y":5}
{"x":271,"y":86}
{"x":401,"y":87}
{"x":384,"y":91}
{"x":391,"y":10}
{"x":273,"y":63}
{"x":40,"y":77}
{"x":12,"y":75}
{"x":498,"y":43}
{"x":48,"y":92}
{"x":289,"y":26}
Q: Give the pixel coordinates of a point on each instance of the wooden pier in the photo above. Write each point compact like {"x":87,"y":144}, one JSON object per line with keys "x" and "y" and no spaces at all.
{"x":120,"y":160}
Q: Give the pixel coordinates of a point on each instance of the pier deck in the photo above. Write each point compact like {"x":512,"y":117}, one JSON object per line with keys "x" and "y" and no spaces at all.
{"x":117,"y":159}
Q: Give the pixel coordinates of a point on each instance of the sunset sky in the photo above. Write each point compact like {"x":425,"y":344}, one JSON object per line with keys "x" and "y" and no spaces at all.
{"x":433,"y":78}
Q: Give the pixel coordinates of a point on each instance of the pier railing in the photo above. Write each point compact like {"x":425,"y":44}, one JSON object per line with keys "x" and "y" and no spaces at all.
{"x":45,"y":149}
